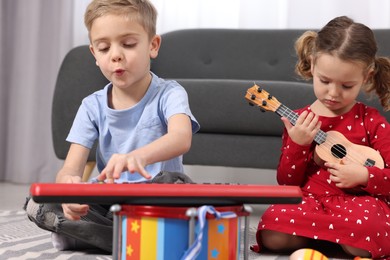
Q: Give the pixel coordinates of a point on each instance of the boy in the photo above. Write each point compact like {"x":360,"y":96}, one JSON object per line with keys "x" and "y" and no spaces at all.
{"x":142,"y":122}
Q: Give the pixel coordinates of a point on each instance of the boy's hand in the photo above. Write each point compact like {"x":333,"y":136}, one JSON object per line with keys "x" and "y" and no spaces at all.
{"x":120,"y":163}
{"x":74,"y":211}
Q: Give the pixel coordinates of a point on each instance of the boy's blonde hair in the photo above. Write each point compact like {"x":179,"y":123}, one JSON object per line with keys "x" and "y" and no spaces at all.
{"x":141,"y":11}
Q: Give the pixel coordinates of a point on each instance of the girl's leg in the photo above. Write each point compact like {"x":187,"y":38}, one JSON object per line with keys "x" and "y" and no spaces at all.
{"x":356,"y":251}
{"x":282,"y":242}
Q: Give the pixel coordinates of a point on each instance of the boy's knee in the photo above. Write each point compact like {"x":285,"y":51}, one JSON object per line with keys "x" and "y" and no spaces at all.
{"x":43,"y":215}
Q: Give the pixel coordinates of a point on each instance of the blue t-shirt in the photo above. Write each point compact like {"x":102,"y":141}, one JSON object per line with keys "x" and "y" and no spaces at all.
{"x":122,"y":131}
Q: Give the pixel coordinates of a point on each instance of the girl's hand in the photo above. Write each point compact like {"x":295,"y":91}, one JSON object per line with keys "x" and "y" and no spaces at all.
{"x":119,"y":163}
{"x":347,"y":174}
{"x":305,"y":129}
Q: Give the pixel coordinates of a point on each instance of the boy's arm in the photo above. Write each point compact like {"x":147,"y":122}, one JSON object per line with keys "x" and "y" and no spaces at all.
{"x":71,"y":172}
{"x":74,"y":164}
{"x":176,"y":142}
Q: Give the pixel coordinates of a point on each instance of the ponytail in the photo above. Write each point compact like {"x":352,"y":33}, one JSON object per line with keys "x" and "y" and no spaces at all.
{"x":380,"y":82}
{"x":304,"y":47}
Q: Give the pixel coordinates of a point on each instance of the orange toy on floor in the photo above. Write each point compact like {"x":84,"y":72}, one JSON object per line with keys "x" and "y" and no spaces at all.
{"x":307,"y":254}
{"x":311,"y":254}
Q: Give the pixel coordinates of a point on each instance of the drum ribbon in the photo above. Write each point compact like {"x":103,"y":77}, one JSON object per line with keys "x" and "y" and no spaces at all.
{"x":194,"y":250}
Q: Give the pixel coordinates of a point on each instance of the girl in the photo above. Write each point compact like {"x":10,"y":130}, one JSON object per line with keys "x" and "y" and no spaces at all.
{"x":344,"y":202}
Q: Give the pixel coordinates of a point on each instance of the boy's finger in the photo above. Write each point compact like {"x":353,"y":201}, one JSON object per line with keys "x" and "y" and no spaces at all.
{"x":143,"y":172}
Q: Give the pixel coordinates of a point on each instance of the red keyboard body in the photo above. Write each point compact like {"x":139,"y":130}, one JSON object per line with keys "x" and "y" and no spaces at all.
{"x":165,"y":194}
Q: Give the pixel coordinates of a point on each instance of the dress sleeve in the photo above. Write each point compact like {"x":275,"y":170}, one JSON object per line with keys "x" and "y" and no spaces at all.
{"x":293,"y":162}
{"x":378,"y":130}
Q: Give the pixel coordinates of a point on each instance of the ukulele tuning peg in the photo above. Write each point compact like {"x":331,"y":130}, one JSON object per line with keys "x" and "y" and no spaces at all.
{"x":269,"y":96}
{"x":253,"y":97}
{"x":264,"y":103}
{"x":259,"y":90}
{"x":251,"y":104}
{"x":262,"y":110}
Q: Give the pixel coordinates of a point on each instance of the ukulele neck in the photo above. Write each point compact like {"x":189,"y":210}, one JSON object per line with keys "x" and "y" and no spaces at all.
{"x":286,"y":112}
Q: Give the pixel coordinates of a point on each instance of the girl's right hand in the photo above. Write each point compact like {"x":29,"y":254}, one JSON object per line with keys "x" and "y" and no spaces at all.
{"x":305,"y":129}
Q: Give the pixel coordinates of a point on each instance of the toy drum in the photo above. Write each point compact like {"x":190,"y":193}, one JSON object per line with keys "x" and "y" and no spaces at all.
{"x":155,"y":232}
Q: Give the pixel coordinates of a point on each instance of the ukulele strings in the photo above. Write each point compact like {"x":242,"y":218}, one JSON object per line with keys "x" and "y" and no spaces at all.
{"x":292,"y":116}
{"x":331,"y":142}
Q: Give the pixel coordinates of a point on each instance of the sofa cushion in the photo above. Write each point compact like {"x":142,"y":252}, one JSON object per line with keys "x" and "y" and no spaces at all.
{"x":220,"y":106}
{"x":232,"y":133}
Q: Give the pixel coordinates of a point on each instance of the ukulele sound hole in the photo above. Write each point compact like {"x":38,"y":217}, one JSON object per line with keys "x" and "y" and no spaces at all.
{"x":338,"y":151}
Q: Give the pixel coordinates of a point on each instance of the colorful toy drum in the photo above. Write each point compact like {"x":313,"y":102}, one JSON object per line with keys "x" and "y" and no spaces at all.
{"x":155,"y":232}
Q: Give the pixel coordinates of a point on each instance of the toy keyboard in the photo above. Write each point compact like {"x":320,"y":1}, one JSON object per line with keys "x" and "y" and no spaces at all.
{"x":165,"y":194}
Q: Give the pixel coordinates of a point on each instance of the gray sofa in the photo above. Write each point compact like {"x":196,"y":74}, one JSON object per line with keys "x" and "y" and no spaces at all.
{"x":216,"y":66}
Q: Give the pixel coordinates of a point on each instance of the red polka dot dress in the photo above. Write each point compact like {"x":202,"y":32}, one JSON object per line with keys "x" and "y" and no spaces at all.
{"x":327,"y":212}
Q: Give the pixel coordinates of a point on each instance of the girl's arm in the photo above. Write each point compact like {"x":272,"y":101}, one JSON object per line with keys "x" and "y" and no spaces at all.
{"x":296,"y":148}
{"x":379,"y":132}
{"x":293,"y":162}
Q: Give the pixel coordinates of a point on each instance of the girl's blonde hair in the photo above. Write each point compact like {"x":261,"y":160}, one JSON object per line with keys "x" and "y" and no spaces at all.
{"x":142,"y":11}
{"x":349,"y":41}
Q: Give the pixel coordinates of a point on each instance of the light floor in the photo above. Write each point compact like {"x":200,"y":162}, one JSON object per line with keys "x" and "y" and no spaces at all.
{"x":13,"y":196}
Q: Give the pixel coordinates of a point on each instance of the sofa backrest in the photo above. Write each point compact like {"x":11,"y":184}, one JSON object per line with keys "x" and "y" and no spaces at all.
{"x":227,"y":54}
{"x":235,"y":54}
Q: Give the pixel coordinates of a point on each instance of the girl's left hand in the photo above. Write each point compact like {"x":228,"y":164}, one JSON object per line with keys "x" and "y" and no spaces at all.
{"x":347,"y":174}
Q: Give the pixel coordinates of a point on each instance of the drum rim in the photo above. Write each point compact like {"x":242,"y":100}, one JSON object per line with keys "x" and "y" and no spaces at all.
{"x":172,"y":212}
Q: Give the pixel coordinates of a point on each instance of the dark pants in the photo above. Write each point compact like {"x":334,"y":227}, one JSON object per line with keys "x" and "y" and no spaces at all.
{"x":94,"y":229}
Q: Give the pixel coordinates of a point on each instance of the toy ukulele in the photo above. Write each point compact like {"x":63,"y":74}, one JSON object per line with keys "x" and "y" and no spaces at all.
{"x":332,"y":146}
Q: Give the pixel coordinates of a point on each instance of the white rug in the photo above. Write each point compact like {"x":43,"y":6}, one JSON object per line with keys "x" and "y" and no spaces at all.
{"x":21,"y":239}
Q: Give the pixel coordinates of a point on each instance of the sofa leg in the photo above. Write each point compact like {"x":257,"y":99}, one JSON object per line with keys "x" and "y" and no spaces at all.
{"x":88,"y":171}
